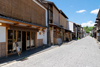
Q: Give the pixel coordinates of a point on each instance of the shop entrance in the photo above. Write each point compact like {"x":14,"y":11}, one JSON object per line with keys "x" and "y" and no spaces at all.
{"x":23,"y":41}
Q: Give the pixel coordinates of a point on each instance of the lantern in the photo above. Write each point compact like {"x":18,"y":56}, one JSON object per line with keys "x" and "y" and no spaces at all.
{"x":43,"y":31}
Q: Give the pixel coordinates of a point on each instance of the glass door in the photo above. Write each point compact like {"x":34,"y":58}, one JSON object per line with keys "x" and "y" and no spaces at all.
{"x":28,"y":40}
{"x":10,"y":41}
{"x":32,"y":39}
{"x":19,"y":39}
{"x":14,"y":39}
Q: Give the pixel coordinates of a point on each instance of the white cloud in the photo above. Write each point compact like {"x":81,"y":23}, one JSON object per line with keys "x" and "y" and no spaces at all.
{"x":89,"y":23}
{"x":94,"y":11}
{"x":80,"y":11}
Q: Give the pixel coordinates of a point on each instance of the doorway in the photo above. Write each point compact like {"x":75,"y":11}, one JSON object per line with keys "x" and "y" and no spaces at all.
{"x":23,"y":41}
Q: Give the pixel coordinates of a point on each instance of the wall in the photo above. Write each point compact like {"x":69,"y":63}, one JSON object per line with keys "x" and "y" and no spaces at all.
{"x":45,"y":37}
{"x":2,"y":34}
{"x":2,"y":41}
{"x":25,"y":10}
{"x":55,"y":16}
{"x":70,"y":26}
{"x":75,"y":31}
{"x":63,"y":21}
{"x":52,"y":35}
{"x":41,"y":38}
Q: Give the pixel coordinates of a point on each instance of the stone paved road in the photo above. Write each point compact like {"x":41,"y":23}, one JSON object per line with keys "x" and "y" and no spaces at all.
{"x":81,"y":53}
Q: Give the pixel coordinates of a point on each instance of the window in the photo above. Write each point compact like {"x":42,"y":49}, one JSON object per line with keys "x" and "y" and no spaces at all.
{"x":19,"y":36}
{"x":10,"y":41}
{"x":10,"y":34}
{"x":14,"y":35}
{"x":32,"y":39}
{"x":50,"y":21}
{"x":19,"y":39}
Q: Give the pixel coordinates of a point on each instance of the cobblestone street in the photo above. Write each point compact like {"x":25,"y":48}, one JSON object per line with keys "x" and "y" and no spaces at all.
{"x":82,"y":53}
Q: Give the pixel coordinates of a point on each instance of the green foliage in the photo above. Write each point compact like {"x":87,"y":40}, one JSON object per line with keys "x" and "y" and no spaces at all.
{"x":25,"y":58}
{"x":88,"y":29}
{"x":91,"y":35}
{"x":78,"y":38}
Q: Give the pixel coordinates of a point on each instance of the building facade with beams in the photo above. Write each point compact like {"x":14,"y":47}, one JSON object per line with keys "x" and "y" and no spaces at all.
{"x":76,"y":30}
{"x":54,"y":28}
{"x":70,"y":28}
{"x":63,"y":22}
{"x":57,"y":23}
{"x":97,"y":26}
{"x":24,"y":22}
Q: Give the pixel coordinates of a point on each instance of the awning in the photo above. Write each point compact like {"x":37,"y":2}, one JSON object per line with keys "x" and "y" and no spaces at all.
{"x":55,"y":25}
{"x":21,"y":28}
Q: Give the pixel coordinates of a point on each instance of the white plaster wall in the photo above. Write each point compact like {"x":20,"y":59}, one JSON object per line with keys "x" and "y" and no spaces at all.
{"x":70,"y":26}
{"x":2,"y":34}
{"x":45,"y":37}
{"x":42,"y":36}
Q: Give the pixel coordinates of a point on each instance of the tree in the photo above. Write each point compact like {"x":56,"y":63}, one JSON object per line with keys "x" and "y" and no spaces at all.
{"x":88,"y":29}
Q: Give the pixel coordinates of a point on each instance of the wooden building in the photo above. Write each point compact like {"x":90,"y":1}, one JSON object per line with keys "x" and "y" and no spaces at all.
{"x":79,"y":31}
{"x":63,"y":22}
{"x":94,"y":31}
{"x":75,"y":31}
{"x":70,"y":28}
{"x":54,"y":27}
{"x":98,"y":26}
{"x":24,"y":21}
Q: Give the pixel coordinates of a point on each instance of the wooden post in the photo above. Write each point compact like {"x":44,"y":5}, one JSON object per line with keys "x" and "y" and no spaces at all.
{"x":26,"y":40}
{"x":53,"y":34}
{"x":30,"y":39}
{"x":56,"y":33}
{"x":21,"y":41}
{"x":35,"y":39}
{"x":6,"y":41}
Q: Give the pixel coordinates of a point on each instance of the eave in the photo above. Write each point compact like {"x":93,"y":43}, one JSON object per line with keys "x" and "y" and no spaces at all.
{"x":12,"y":21}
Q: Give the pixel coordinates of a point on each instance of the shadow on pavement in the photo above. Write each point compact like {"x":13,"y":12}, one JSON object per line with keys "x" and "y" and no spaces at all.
{"x":24,"y":55}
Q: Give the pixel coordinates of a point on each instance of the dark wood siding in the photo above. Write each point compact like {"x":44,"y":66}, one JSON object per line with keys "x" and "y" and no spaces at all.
{"x":2,"y":49}
{"x":25,"y":10}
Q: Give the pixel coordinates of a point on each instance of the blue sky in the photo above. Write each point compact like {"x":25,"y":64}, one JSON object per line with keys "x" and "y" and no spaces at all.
{"x":79,"y":11}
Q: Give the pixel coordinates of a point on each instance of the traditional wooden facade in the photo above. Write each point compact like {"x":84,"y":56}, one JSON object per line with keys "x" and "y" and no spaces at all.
{"x":24,"y":21}
{"x":63,"y":22}
{"x":79,"y":31}
{"x":94,"y":31}
{"x":75,"y":31}
{"x":98,"y":26}
{"x":54,"y":27}
{"x":70,"y":28}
